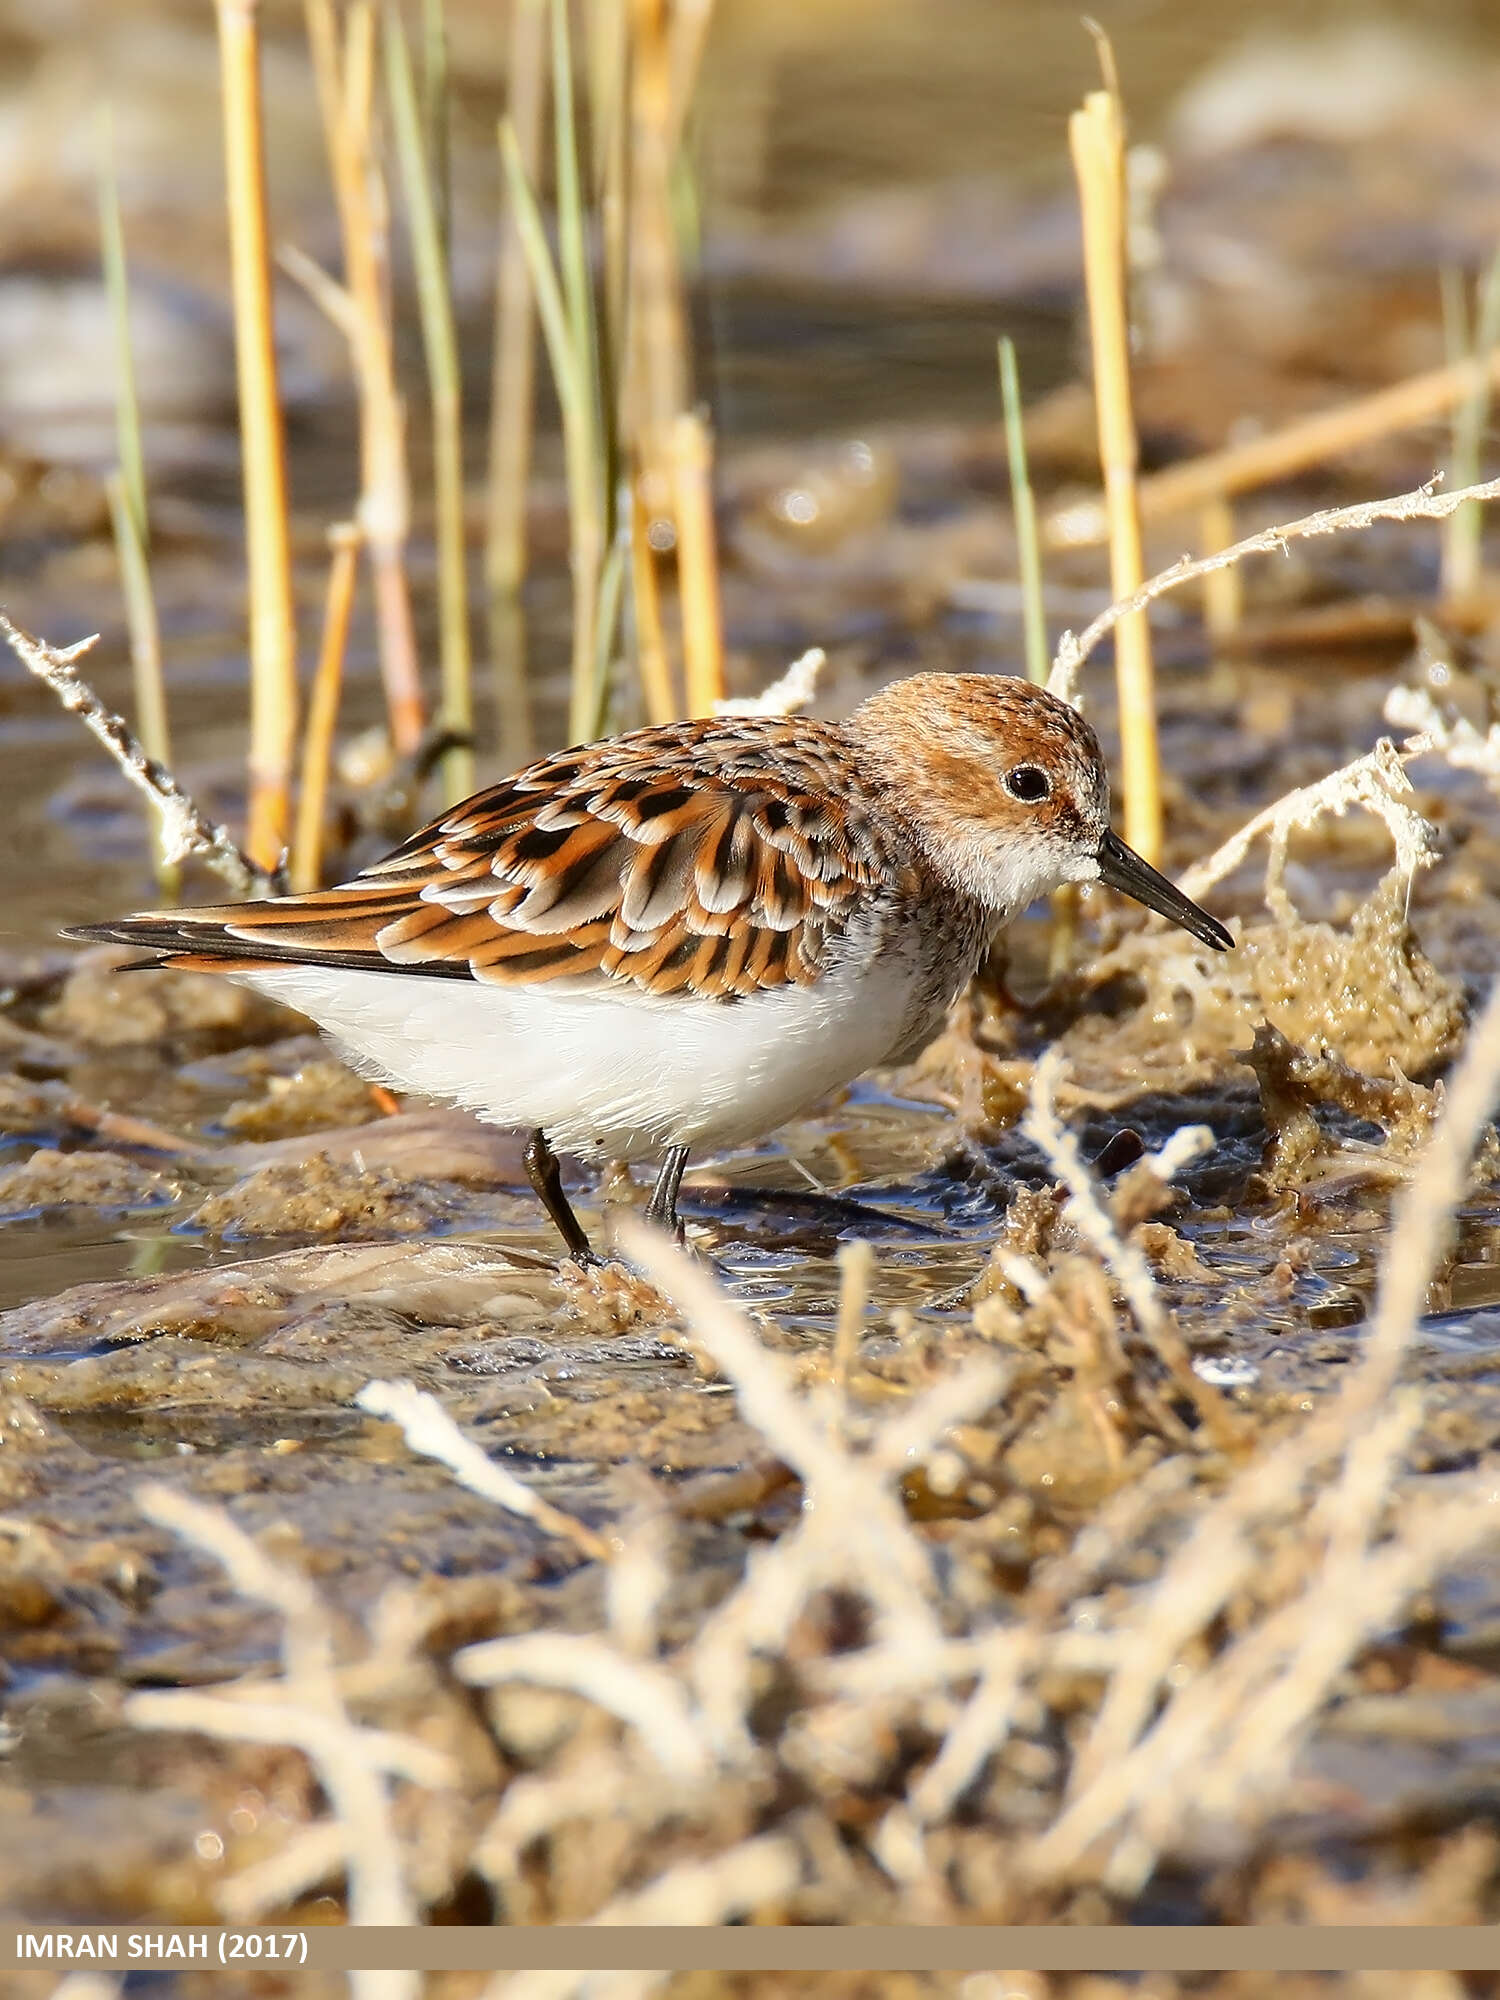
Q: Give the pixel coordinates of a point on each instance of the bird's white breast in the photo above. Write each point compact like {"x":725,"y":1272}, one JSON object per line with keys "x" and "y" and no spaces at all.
{"x":617,"y":1073}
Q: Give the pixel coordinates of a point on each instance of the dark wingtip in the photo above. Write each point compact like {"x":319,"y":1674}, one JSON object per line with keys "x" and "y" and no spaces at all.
{"x":90,"y":934}
{"x":145,"y":933}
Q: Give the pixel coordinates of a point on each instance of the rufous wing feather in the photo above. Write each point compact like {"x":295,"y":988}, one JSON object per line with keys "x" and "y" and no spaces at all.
{"x":713,"y":858}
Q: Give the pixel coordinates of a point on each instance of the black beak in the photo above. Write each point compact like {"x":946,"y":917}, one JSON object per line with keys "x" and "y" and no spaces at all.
{"x":1120,"y":867}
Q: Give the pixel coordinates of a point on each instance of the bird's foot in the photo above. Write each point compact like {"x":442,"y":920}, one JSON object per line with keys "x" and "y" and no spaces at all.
{"x":586,"y":1259}
{"x":608,"y":1296}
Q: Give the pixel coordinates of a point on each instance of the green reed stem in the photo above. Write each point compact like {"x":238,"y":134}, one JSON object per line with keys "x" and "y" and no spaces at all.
{"x":128,"y":442}
{"x":145,"y":652}
{"x":1452,"y":293}
{"x":575,"y":399}
{"x":545,"y":283}
{"x":1023,"y":507}
{"x":1462,"y":568}
{"x":1457,"y":345}
{"x":611,"y":602}
{"x":440,"y":345}
{"x":513,"y":394}
{"x":126,"y":491}
{"x":590,"y":522}
{"x":435,"y":114}
{"x":607,"y":40}
{"x":687,"y":212}
{"x":572,"y":226}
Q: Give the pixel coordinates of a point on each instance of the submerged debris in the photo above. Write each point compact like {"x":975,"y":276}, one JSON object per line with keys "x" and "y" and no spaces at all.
{"x":99,"y":1007}
{"x":1299,"y":1149}
{"x":319,"y":1196}
{"x":316,"y":1095}
{"x":54,"y":1180}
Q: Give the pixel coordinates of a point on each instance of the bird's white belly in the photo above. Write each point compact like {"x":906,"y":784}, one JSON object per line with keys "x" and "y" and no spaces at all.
{"x":618,"y":1074}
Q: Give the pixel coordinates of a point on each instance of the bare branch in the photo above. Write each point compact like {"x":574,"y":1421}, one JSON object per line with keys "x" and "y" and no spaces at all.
{"x":185,"y":828}
{"x":1423,"y":503}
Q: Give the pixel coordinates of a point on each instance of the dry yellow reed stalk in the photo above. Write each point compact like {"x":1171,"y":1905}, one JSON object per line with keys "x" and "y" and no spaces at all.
{"x":345,"y":72}
{"x":1283,"y":454}
{"x":323,"y":709}
{"x":1096,"y":135}
{"x":445,"y":390}
{"x":1463,"y":566}
{"x":1223,"y":597}
{"x":698,"y":563}
{"x":652,"y":664}
{"x":273,"y":627}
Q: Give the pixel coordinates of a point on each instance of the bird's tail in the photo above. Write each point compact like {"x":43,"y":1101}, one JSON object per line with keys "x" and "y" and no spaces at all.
{"x":339,"y":927}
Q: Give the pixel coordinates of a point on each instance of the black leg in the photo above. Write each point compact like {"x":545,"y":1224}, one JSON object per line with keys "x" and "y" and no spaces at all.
{"x":545,"y":1176}
{"x":662,"y":1207}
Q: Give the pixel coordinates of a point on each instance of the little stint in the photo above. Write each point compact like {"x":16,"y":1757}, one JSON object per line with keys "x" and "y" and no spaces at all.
{"x":684,"y":936}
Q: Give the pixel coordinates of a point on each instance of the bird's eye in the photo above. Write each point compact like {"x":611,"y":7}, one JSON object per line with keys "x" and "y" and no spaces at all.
{"x":1029,"y":783}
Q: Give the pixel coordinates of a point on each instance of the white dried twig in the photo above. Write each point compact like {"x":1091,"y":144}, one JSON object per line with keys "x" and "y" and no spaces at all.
{"x":87,"y":1986}
{"x":852,"y":1529}
{"x":1377,"y":782}
{"x":307,"y":1710}
{"x":311,"y":1855}
{"x":1423,"y":503}
{"x":637,"y":1581}
{"x":1063,"y":678}
{"x":731,"y":1885}
{"x":646,"y":1697}
{"x":185,"y":828}
{"x":593,"y":1788}
{"x":307,"y":1638}
{"x":1422,"y":1220}
{"x":1187,"y":1143}
{"x":1458,"y":742}
{"x":1148,"y":1787}
{"x":1123,"y":1257}
{"x":787,"y":696}
{"x":429,"y":1430}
